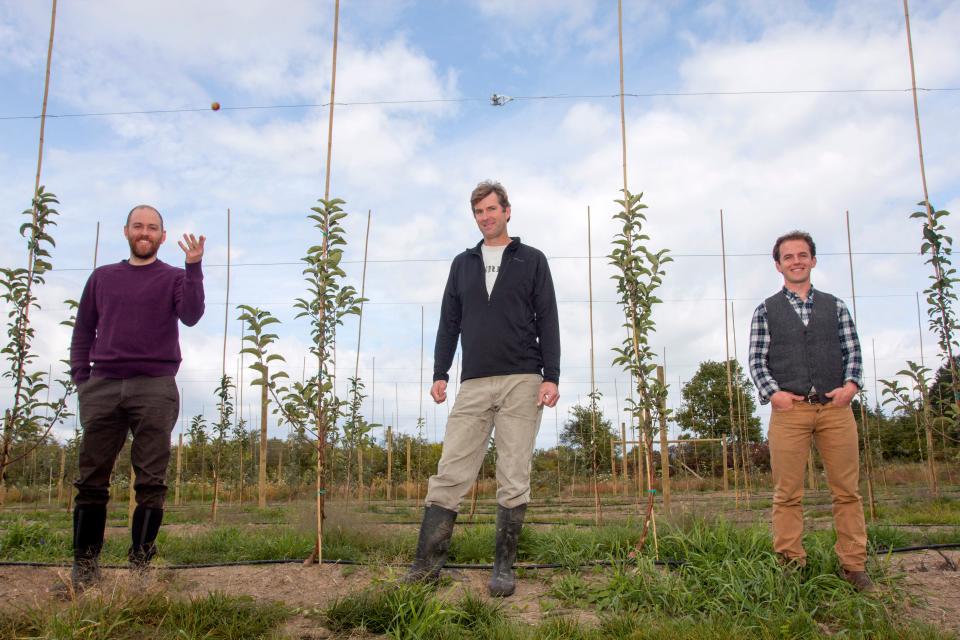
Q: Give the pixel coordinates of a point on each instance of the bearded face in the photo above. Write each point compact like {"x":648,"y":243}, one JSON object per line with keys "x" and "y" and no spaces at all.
{"x":145,"y":234}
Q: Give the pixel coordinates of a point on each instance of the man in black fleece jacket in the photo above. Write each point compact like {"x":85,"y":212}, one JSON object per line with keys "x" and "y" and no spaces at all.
{"x":499,"y":300}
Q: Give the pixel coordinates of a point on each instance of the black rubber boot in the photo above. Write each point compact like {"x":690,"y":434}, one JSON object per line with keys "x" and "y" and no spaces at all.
{"x":433,"y":545}
{"x":89,"y":522}
{"x":144,"y":530}
{"x":509,"y":524}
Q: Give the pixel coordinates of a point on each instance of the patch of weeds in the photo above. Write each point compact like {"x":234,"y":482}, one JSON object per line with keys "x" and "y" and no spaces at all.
{"x":33,"y":541}
{"x":475,"y":544}
{"x":569,"y":589}
{"x":733,"y":574}
{"x":128,"y":616}
{"x":881,"y":537}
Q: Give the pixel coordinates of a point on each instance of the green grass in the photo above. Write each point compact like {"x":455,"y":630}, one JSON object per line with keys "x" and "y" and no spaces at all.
{"x":413,"y":612}
{"x":914,"y":510}
{"x":154,"y":616}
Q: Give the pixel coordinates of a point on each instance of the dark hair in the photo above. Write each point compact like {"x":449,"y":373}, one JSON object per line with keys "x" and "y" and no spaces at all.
{"x":484,"y":189}
{"x":794,"y":235}
{"x":144,"y":206}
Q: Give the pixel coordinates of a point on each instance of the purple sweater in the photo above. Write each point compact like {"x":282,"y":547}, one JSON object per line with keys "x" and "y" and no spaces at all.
{"x":127,"y":320}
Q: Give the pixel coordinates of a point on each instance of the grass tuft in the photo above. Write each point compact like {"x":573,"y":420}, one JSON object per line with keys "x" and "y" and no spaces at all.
{"x":129,"y":616}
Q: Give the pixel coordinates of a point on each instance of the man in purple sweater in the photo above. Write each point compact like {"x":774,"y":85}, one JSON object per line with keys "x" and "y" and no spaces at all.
{"x":124,"y":355}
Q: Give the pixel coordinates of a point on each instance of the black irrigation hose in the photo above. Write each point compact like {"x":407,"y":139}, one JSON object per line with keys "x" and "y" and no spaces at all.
{"x":545,"y":565}
{"x":246,"y":563}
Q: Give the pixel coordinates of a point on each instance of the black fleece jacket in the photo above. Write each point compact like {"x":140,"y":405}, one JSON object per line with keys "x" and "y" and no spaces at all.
{"x":514,"y":330}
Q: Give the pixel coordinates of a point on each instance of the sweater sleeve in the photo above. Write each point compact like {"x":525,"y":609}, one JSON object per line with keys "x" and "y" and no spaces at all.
{"x":448,"y":331}
{"x":548,"y":321}
{"x":188,"y":295}
{"x":84,"y":332}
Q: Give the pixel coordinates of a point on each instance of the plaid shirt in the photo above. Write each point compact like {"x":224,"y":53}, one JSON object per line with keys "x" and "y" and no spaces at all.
{"x":760,"y":344}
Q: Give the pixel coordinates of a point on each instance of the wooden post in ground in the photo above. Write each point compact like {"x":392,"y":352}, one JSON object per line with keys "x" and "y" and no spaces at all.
{"x":811,"y":472}
{"x":360,"y":472}
{"x":613,"y":465}
{"x":723,"y":447}
{"x":262,"y":476}
{"x":664,"y":445}
{"x":626,"y":474}
{"x":63,"y":466}
{"x":389,"y":463}
{"x":176,"y":486}
{"x":409,"y":478}
{"x":867,"y":445}
{"x":280,"y":464}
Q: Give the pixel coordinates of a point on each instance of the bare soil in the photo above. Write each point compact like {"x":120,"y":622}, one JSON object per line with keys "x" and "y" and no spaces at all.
{"x":932,"y":582}
{"x":933,"y":579}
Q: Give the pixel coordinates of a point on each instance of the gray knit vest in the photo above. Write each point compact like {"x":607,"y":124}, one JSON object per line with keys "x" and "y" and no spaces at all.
{"x":801,"y":357}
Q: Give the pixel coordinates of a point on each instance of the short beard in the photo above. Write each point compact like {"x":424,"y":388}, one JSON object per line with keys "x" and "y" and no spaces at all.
{"x":154,"y":247}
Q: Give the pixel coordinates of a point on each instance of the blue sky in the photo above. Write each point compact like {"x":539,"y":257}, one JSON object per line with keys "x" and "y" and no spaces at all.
{"x":773,"y":162}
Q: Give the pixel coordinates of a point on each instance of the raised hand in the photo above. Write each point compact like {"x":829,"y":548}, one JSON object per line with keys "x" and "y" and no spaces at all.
{"x":192,"y":247}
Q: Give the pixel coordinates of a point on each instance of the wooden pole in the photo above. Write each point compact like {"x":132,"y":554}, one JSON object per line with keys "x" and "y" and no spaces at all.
{"x":626,"y":474}
{"x":223,"y":375}
{"x":356,"y":363}
{"x":63,"y":466}
{"x":389,"y":463}
{"x":613,"y":465}
{"x":726,"y":341}
{"x":742,"y":416}
{"x":420,"y":411}
{"x":46,"y":94}
{"x":262,"y":475}
{"x":597,"y":509}
{"x":96,"y":245}
{"x":408,"y":485}
{"x":723,"y":447}
{"x":865,"y":428}
{"x":333,"y":93}
{"x":623,"y":118}
{"x":176,"y":490}
{"x":556,"y":428}
{"x":664,"y":445}
{"x":926,"y":194}
{"x":11,"y":414}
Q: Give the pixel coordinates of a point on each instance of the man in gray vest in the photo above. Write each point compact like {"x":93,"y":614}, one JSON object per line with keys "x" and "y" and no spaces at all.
{"x":805,"y":360}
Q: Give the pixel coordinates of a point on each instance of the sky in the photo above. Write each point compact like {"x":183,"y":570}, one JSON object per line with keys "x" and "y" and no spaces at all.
{"x":739,"y":106}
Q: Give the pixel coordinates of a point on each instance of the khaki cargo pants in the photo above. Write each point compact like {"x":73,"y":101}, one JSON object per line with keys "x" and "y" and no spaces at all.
{"x":834,"y":431}
{"x":508,"y":403}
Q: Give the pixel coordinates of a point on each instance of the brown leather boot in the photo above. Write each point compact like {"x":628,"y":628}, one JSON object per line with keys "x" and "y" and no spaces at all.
{"x":860,"y":581}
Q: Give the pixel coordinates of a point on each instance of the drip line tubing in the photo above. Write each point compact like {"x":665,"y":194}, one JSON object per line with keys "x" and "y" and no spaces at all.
{"x":669,"y":562}
{"x":360,"y":563}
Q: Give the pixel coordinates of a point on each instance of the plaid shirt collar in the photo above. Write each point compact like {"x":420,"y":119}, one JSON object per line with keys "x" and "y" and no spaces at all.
{"x":803,"y":307}
{"x":797,"y":300}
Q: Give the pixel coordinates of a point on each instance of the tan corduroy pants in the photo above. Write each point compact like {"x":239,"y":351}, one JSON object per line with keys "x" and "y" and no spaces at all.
{"x":508,"y":403}
{"x":834,"y":432}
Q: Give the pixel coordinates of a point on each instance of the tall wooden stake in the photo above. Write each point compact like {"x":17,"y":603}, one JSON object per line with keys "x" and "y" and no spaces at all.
{"x":389,"y":463}
{"x":726,"y":341}
{"x":597,"y":509}
{"x":223,"y":375}
{"x":262,"y":470}
{"x":317,"y":555}
{"x":11,"y":414}
{"x":923,"y":179}
{"x":176,"y":490}
{"x":664,"y":444}
{"x":867,"y":445}
{"x":356,"y":363}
